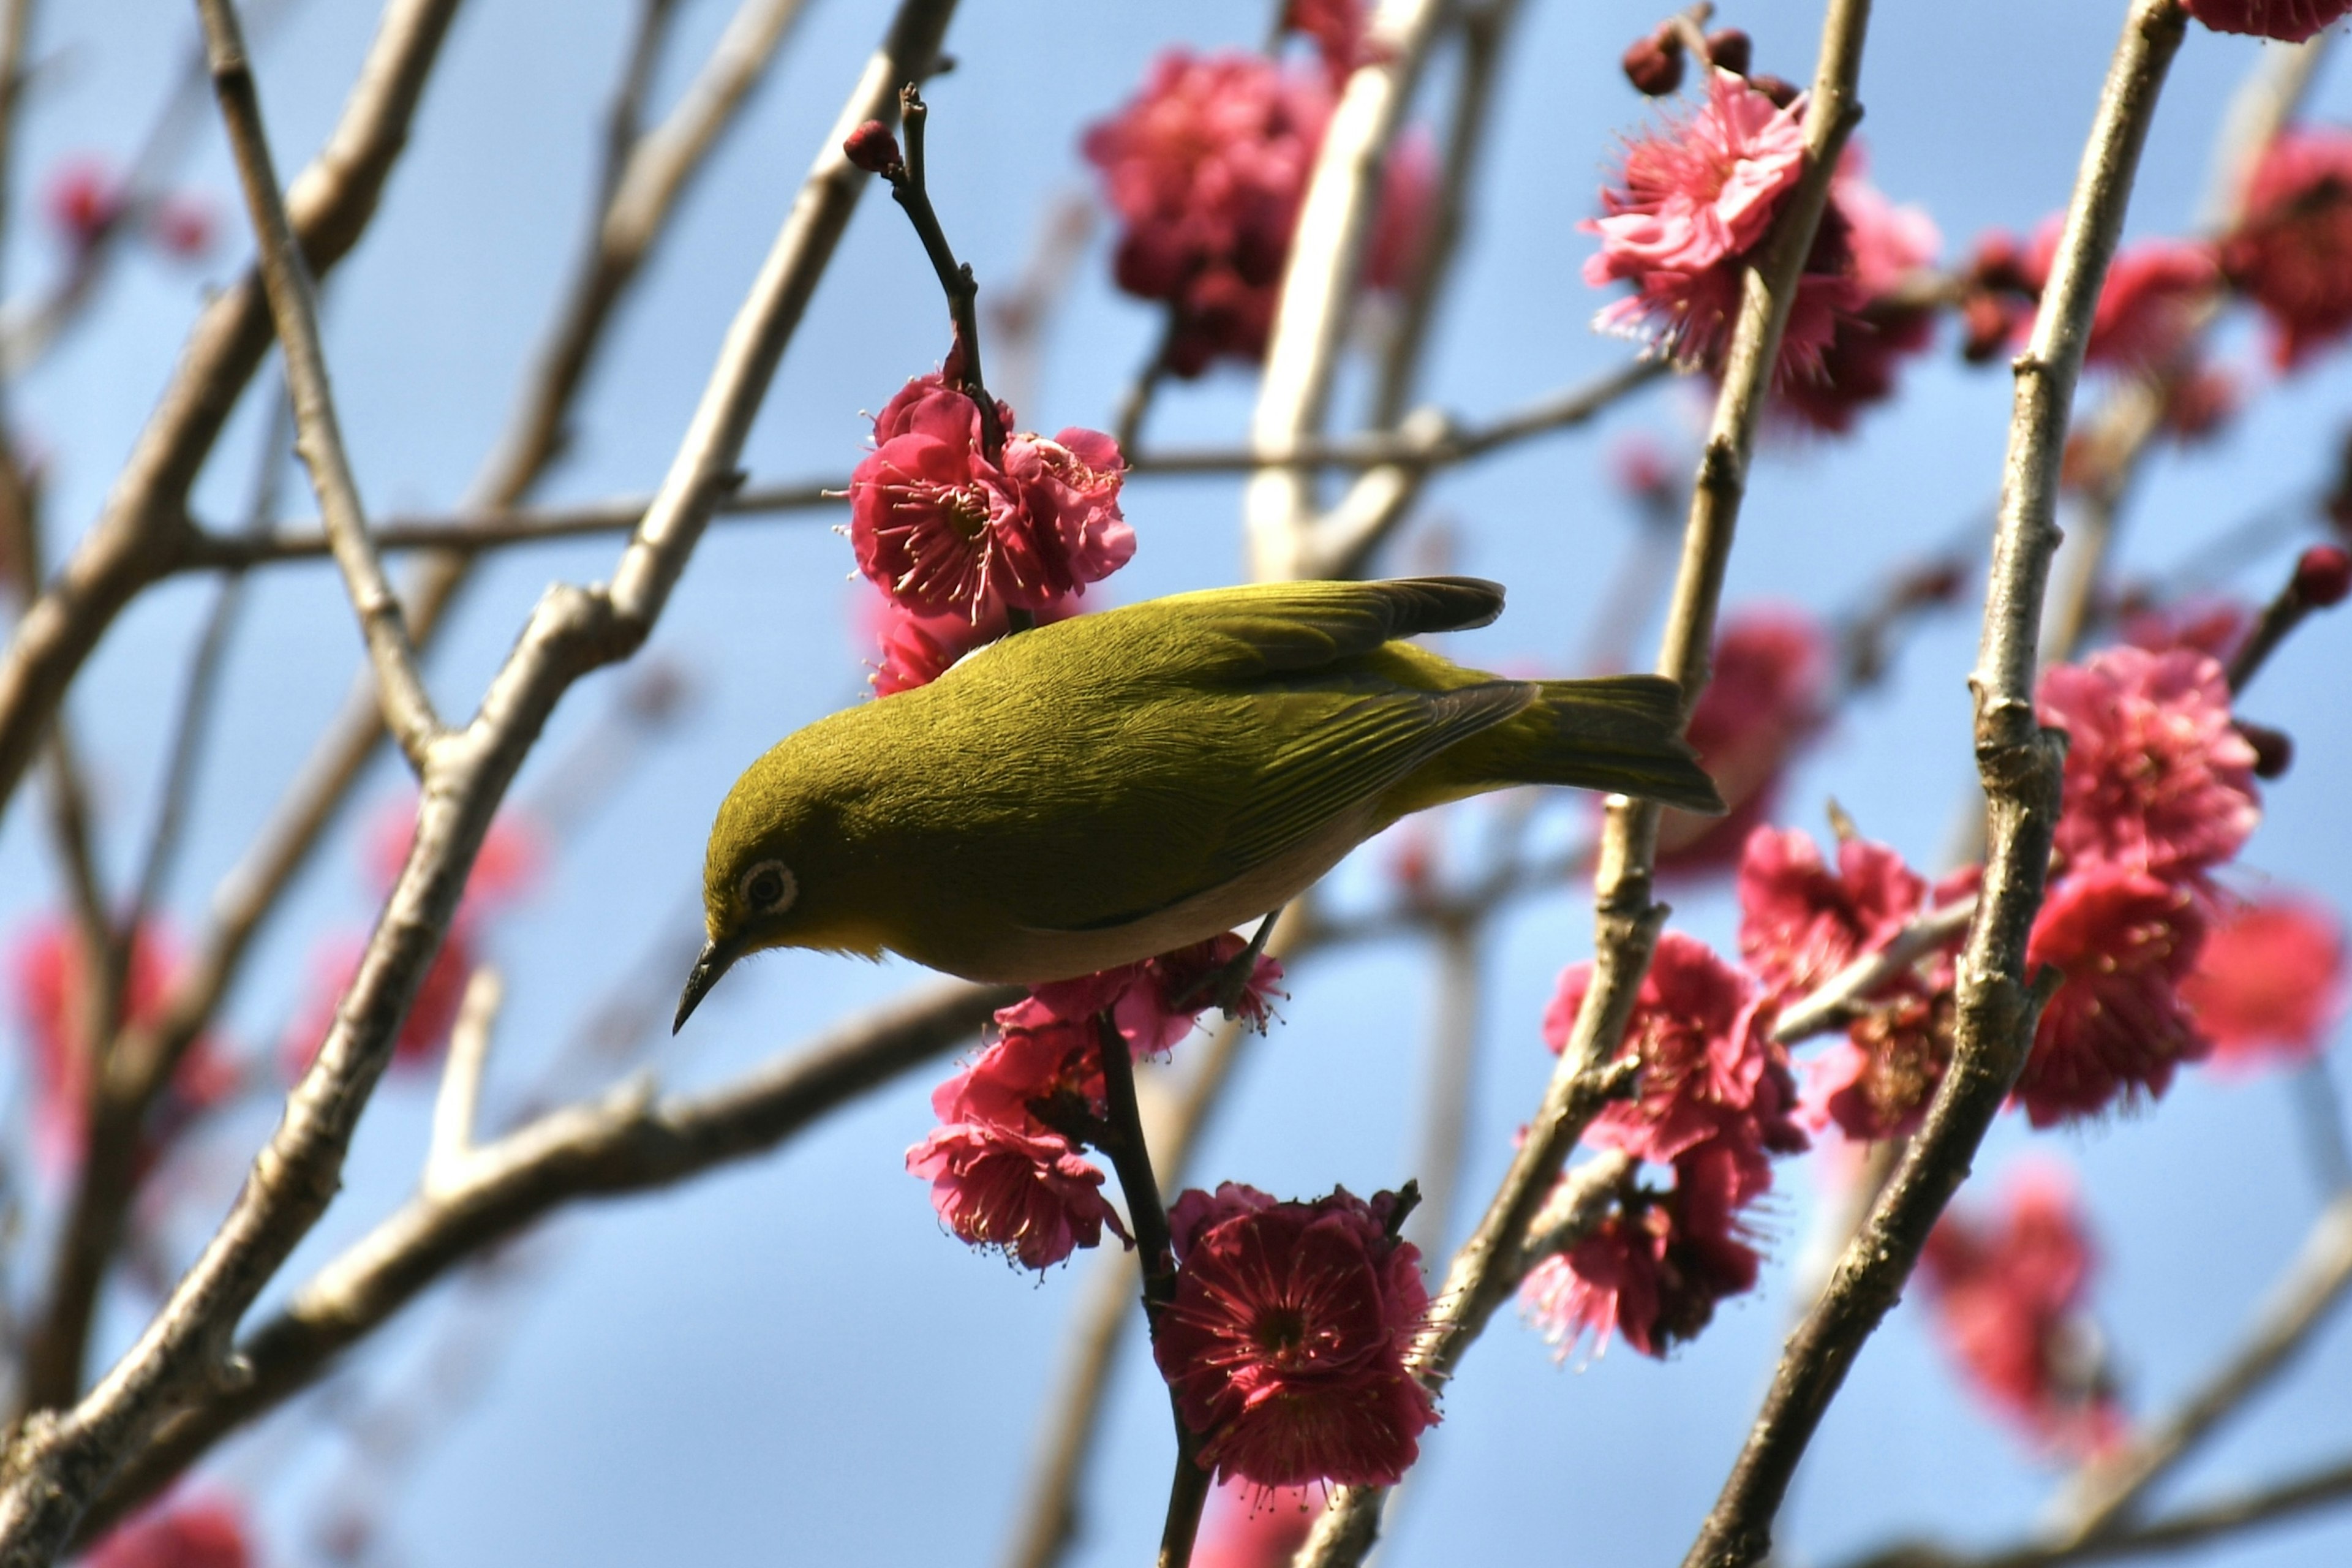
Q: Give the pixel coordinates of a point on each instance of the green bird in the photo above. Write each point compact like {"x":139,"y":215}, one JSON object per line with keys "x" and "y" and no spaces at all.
{"x":1118,"y":785}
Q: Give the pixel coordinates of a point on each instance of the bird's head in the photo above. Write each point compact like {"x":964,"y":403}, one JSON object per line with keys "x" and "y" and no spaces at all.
{"x":772,"y":876}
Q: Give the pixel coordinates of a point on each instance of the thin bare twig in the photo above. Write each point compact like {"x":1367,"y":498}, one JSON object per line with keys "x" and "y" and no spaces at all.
{"x":294,"y":309}
{"x":2019,"y":764}
{"x":1833,"y":1003}
{"x":456,"y":1109}
{"x":60,"y":1462}
{"x":1627,"y":921}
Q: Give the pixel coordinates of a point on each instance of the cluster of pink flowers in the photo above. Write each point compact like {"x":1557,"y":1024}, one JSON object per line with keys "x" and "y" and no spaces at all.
{"x":2159,"y":793}
{"x":2009,"y":1295}
{"x":1765,"y":698}
{"x":1005,"y":1162}
{"x":51,"y":971}
{"x":208,"y":1532}
{"x":85,"y":198}
{"x":1714,"y":1102}
{"x":1286,"y":1343}
{"x":503,"y":872}
{"x":945,"y":527}
{"x":1696,"y":198}
{"x":1207,"y":167}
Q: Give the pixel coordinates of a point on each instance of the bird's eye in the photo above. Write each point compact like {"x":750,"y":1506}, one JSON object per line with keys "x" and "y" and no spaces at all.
{"x":769,"y":887}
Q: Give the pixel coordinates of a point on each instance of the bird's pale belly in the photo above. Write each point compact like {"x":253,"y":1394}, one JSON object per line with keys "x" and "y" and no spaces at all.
{"x":1007,"y":952}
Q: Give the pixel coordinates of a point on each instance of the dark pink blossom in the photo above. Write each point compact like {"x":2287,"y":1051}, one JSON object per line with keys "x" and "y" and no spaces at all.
{"x":1336,"y":28}
{"x":1207,"y":167}
{"x":918,"y":649}
{"x":2009,"y":1293}
{"x":1800,"y":922}
{"x":53,"y":992}
{"x":1285,"y":1342}
{"x":2157,"y":779}
{"x":944,"y":528}
{"x":2211,"y":626}
{"x":1028,"y":1194}
{"x":2270,"y":983}
{"x":1653,"y":1271}
{"x":2154,"y":295}
{"x":206,"y":1533}
{"x":2290,"y":20}
{"x":1708,"y":1071}
{"x":1888,"y":246}
{"x":2291,"y":252}
{"x":1694,"y":200}
{"x":1877,"y":1078}
{"x":1766,"y":696}
{"x":2123,"y":942}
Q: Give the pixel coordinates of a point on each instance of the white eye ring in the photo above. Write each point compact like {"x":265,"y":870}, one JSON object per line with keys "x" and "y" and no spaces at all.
{"x":763,"y":900}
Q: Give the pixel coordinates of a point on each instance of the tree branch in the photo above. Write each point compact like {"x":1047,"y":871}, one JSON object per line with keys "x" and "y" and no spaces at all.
{"x":140,"y":530}
{"x":59,"y":1463}
{"x":293,"y":308}
{"x":2019,"y":764}
{"x":627,"y":1143}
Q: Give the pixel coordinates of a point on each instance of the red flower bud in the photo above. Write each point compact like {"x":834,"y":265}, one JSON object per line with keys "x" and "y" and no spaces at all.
{"x":1780,"y":90}
{"x":2323,"y":577}
{"x":872,"y":148}
{"x":1728,"y":48}
{"x":1654,"y":64}
{"x":1985,"y":323}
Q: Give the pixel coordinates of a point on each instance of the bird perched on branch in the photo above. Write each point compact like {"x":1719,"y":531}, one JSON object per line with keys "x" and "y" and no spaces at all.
{"x":1107,"y":788}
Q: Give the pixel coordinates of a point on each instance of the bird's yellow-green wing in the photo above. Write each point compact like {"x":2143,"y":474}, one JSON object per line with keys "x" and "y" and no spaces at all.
{"x":1324,"y":755}
{"x":1245,"y":634}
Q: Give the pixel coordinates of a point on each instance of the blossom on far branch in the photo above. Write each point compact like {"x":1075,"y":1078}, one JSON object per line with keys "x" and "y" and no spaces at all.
{"x":1285,"y":1342}
{"x":1708,"y":1071}
{"x":1005,"y":1162}
{"x":1714,"y":1102}
{"x":1766,"y":696}
{"x":2291,"y":21}
{"x":1887,"y":247}
{"x":2291,"y":253}
{"x":2009,"y":1293}
{"x":2157,"y":779}
{"x":1653,"y":1270}
{"x":2269,"y":985}
{"x":1207,"y":167}
{"x":51,"y":975}
{"x":503,"y":872}
{"x":207,"y":1533}
{"x":945,"y":528}
{"x":2148,"y":310}
{"x":1801,"y":923}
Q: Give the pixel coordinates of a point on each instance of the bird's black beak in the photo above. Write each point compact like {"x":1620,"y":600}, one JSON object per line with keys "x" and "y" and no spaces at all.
{"x":718,"y":955}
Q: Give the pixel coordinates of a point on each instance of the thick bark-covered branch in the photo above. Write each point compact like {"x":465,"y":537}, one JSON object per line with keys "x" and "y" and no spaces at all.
{"x":2018,"y":765}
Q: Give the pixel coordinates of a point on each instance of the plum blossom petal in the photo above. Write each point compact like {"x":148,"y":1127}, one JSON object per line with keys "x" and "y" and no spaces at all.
{"x":1028,"y":1194}
{"x":2269,"y":985}
{"x":2123,"y":942}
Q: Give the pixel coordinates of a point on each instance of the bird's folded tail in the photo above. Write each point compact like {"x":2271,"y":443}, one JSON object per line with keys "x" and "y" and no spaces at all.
{"x":1618,"y":734}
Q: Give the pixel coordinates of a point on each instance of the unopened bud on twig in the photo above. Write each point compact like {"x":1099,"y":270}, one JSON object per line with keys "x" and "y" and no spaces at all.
{"x":1654,"y":64}
{"x":1728,"y":48}
{"x":872,"y":148}
{"x":2323,"y":577}
{"x":1780,"y":90}
{"x":2273,"y":749}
